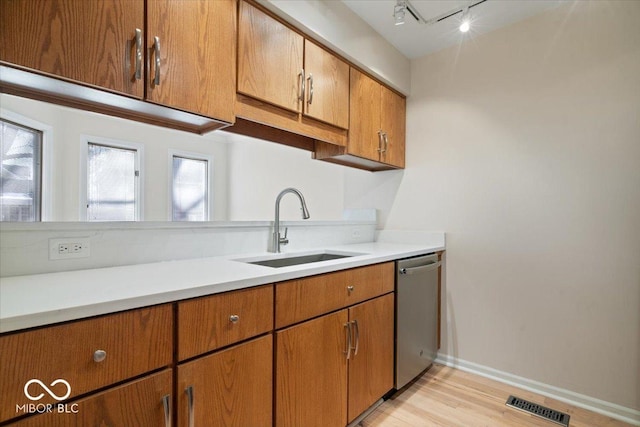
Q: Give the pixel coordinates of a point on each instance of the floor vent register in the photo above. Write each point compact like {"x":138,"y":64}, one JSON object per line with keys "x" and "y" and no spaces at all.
{"x":538,"y":410}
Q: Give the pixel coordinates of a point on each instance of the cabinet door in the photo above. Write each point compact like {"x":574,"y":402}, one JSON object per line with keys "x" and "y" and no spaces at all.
{"x":327,"y":86}
{"x":311,"y":373}
{"x":364,"y":116}
{"x":197,"y":59}
{"x":269,"y":59}
{"x":371,"y":365}
{"x":138,"y":403}
{"x":230,"y":388}
{"x":392,"y":123}
{"x":89,"y":41}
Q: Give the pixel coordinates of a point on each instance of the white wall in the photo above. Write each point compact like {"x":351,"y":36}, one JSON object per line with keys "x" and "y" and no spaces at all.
{"x":69,"y":124}
{"x":524,"y":146}
{"x":260,"y":170}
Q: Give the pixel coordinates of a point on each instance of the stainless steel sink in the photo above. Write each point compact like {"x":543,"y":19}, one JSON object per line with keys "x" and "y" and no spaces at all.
{"x":287,"y":261}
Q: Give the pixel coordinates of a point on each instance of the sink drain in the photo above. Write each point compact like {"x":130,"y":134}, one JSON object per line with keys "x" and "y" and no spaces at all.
{"x":539,"y":410}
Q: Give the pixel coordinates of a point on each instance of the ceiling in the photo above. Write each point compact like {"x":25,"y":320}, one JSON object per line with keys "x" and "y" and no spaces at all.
{"x":415,"y":39}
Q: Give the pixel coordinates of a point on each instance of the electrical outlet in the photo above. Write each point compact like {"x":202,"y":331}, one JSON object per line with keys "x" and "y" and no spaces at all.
{"x":69,"y":248}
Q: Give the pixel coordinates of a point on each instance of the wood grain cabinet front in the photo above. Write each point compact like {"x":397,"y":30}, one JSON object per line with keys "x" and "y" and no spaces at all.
{"x":302,"y":299}
{"x":229,"y":388}
{"x":290,"y":89}
{"x":144,"y":402}
{"x":191,"y":52}
{"x":57,"y":363}
{"x":330,"y":369}
{"x":187,"y":61}
{"x":208,"y":323}
{"x":96,"y":42}
{"x":280,"y":66}
{"x":377,"y":121}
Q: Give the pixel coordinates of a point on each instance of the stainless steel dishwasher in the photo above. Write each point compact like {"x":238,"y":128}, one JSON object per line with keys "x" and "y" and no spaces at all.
{"x":416,"y":316}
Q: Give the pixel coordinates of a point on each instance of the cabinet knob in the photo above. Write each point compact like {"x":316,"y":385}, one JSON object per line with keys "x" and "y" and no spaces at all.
{"x":99,"y":355}
{"x":234,"y":318}
{"x":350,"y":288}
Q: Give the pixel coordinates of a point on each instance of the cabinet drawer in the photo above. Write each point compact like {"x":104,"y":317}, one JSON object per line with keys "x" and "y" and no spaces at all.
{"x":297,"y":300}
{"x":134,"y":342}
{"x":208,"y":323}
{"x":139,"y":403}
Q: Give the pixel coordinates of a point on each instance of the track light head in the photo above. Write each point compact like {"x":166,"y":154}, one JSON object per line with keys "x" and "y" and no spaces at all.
{"x":399,"y":12}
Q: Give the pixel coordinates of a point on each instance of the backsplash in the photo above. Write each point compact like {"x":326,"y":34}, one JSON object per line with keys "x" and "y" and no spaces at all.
{"x":24,"y":248}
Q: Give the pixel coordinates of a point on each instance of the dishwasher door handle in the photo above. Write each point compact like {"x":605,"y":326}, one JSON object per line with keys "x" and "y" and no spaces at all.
{"x":420,"y":269}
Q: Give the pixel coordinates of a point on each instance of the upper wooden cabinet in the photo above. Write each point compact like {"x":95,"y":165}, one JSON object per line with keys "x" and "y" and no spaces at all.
{"x":289,"y":83}
{"x":187,"y":62}
{"x":270,"y":57}
{"x":90,"y":41}
{"x":377,"y":125}
{"x":393,"y":124}
{"x":191,"y":53}
{"x":327,"y":86}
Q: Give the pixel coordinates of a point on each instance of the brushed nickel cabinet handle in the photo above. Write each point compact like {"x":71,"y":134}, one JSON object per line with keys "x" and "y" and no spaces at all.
{"x":99,"y":356}
{"x":380,"y":141}
{"x":234,"y":318}
{"x":357,"y":339}
{"x":350,"y":288}
{"x":310,"y":78}
{"x":166,"y":403}
{"x":189,"y":391}
{"x":156,"y":46}
{"x":347,"y":327}
{"x":138,"y":54}
{"x":386,"y":141}
{"x":301,"y":95}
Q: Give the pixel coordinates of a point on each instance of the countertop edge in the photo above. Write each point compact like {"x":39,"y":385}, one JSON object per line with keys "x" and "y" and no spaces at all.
{"x":374,"y":253}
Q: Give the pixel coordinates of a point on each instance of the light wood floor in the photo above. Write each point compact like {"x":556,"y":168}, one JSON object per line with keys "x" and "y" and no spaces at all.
{"x":445,"y":396}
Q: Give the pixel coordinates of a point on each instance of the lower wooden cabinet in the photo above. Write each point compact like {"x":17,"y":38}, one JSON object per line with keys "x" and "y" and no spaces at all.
{"x":311,"y":373}
{"x":371,"y":362}
{"x":87,"y":354}
{"x":331,"y":369}
{"x":230,"y":388}
{"x":213,"y":361}
{"x":145,"y":402}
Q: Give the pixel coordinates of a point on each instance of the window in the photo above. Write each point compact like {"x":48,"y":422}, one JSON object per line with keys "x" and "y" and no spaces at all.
{"x":21,"y":182}
{"x":113,"y":182}
{"x":189,"y":187}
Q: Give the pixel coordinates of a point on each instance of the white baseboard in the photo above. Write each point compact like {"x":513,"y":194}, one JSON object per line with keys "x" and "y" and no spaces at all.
{"x":609,"y":409}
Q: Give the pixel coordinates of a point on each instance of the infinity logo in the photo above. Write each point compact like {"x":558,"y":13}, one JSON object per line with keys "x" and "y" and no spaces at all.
{"x":52,"y":394}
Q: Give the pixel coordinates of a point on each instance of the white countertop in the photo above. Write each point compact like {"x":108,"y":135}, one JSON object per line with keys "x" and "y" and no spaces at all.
{"x":42,"y":299}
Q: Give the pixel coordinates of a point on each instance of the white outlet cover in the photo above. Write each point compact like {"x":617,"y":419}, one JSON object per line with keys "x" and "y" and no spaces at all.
{"x":54,"y":254}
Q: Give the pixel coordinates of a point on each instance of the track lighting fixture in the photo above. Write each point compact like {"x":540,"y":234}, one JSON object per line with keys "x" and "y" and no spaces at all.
{"x":403,"y":6}
{"x":399,"y":12}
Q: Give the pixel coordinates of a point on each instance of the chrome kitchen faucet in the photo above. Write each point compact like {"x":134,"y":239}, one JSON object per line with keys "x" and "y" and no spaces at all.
{"x":277,"y":240}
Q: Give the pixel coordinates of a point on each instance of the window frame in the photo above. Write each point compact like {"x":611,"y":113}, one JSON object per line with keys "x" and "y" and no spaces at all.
{"x":46,"y":158}
{"x":85,"y":141}
{"x":209,"y":193}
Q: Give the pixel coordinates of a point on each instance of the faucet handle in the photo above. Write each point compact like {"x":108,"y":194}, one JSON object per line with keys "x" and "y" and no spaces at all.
{"x":284,"y":240}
